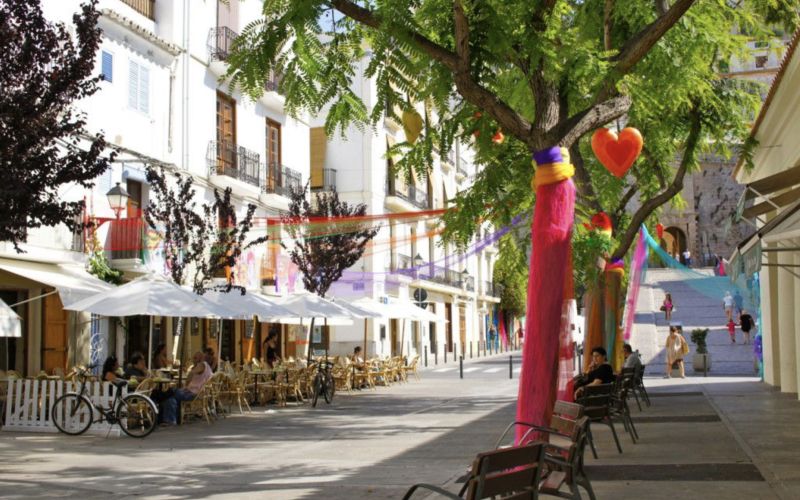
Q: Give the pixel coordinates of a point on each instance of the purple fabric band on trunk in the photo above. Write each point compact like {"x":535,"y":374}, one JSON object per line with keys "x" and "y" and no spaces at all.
{"x":549,"y":155}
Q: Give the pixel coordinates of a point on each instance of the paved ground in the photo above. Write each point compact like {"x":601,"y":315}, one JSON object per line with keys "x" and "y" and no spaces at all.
{"x":694,"y":310}
{"x":701,"y":438}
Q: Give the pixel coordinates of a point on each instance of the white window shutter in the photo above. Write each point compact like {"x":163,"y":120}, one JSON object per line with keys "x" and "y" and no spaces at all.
{"x":133,"y":85}
{"x":144,"y":89}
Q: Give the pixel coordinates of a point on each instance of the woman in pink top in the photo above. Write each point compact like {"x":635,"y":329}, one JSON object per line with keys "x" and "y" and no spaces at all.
{"x":201,"y":373}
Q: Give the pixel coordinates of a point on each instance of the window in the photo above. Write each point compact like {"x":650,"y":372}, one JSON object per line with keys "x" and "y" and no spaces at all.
{"x":107,"y":66}
{"x":139,"y":87}
{"x":761,"y":61}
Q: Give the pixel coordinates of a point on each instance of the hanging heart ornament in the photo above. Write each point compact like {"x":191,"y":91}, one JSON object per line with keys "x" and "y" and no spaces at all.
{"x":617,"y":154}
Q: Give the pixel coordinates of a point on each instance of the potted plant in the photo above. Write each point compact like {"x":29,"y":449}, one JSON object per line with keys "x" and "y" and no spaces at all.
{"x":702,"y":359}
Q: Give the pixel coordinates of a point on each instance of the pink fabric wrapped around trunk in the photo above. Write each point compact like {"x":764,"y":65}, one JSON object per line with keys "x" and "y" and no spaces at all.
{"x":551,"y":236}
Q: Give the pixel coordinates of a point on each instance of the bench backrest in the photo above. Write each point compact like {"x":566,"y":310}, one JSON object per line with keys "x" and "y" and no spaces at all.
{"x":506,"y":471}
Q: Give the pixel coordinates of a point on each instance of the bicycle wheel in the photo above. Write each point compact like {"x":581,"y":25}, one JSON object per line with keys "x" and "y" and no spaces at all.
{"x":72,"y":414}
{"x":316,"y":389}
{"x":136,"y":415}
{"x":330,"y":389}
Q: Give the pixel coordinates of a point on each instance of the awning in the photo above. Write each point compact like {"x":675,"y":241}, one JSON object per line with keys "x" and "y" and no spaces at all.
{"x":72,"y":282}
{"x":766,"y":188}
{"x":747,"y":256}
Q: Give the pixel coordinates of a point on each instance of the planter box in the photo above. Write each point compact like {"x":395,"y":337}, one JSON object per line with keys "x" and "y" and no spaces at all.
{"x":701,"y":362}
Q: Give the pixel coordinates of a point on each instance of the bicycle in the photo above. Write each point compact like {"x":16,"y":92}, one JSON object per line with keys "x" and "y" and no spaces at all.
{"x":73,"y":412}
{"x":323,"y":383}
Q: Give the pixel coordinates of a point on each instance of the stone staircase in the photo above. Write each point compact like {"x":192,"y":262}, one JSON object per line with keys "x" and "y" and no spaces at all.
{"x":694,"y":310}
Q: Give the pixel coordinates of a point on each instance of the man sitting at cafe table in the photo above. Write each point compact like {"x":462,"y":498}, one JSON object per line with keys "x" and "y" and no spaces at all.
{"x":136,"y":367}
{"x":200,"y":374}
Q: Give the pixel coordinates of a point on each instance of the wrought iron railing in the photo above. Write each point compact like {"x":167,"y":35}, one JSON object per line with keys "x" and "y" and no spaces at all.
{"x":492,"y":289}
{"x":273,"y":82}
{"x":226,"y":158}
{"x":412,"y":194}
{"x":281,"y":180}
{"x":327,"y":182}
{"x":146,"y":8}
{"x":220,"y":43}
{"x":461,"y":171}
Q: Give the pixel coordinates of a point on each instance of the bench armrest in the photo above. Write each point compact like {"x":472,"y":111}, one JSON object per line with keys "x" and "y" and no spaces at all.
{"x":431,"y":487}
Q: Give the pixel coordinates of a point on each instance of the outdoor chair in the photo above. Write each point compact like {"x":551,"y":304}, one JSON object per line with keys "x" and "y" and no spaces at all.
{"x":638,"y":385}
{"x":508,"y":473}
{"x":620,"y":408}
{"x":342,"y":377}
{"x":200,"y":406}
{"x":412,"y":368}
{"x":597,"y":402}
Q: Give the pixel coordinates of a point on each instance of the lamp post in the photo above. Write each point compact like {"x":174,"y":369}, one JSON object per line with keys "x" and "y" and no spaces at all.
{"x":465,"y":277}
{"x":117,"y":198}
{"x":418,"y":263}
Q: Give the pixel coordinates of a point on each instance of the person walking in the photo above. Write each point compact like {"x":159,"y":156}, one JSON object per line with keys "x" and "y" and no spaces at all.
{"x":676,"y":349}
{"x":732,"y":330}
{"x":667,"y":306}
{"x":687,"y":258}
{"x":747,"y":323}
{"x":727,"y":304}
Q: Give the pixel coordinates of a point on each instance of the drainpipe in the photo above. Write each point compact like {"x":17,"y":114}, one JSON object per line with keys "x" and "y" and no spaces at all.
{"x":185,"y":76}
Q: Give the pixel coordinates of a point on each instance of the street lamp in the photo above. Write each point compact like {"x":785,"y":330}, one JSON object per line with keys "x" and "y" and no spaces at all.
{"x":117,"y":198}
{"x":418,"y":260}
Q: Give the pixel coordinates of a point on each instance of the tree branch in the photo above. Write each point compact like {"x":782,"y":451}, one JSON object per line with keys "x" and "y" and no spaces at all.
{"x":640,"y":44}
{"x":674,"y":188}
{"x":623,"y":202}
{"x":584,"y":182}
{"x":609,"y":6}
{"x":461,"y":36}
{"x":662,"y":6}
{"x":511,"y":121}
{"x":569,"y":131}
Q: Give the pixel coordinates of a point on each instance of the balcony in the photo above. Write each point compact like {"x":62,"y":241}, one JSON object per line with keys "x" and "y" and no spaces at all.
{"x":125,"y":243}
{"x":281,"y":180}
{"x":323,"y":180}
{"x":418,"y":198}
{"x":227,"y":160}
{"x":403,"y":263}
{"x":492,"y":290}
{"x":461,"y":173}
{"x":220,"y":44}
{"x":147,"y":8}
{"x":431,"y":272}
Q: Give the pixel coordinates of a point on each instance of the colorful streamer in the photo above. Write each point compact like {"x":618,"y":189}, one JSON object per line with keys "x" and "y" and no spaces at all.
{"x":638,"y":266}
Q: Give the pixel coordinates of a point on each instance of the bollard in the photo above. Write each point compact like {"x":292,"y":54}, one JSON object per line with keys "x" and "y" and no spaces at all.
{"x":705,"y":368}
{"x":511,"y":367}
{"x":445,"y":354}
{"x":470,"y":349}
{"x":484,"y":347}
{"x":426,"y":356}
{"x":436,"y":358}
{"x":461,"y":367}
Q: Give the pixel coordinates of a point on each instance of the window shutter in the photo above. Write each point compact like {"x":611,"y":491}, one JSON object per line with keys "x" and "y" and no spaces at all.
{"x":133,"y":85}
{"x":144,"y":89}
{"x":107,"y":63}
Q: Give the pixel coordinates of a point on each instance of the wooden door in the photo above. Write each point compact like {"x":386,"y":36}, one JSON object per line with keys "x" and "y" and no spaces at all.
{"x":226,"y":135}
{"x":274,"y":173}
{"x":227,"y":351}
{"x":448,"y":329}
{"x":134,"y":189}
{"x":54,"y":339}
{"x":394,"y":336}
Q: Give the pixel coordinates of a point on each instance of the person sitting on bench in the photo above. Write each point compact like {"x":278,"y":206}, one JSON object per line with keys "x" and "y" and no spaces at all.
{"x":598,"y":372}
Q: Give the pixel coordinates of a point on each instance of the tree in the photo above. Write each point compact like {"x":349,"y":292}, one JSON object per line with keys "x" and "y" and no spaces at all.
{"x":322,"y":258}
{"x":43,"y":141}
{"x":184,"y":230}
{"x":511,"y":272}
{"x":543,"y":72}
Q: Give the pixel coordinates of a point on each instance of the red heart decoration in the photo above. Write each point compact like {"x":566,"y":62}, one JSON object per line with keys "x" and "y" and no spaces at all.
{"x":617,"y":154}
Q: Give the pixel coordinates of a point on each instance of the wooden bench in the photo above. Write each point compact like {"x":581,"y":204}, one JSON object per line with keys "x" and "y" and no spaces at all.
{"x":563,"y":460}
{"x":597,"y":403}
{"x":508,"y":473}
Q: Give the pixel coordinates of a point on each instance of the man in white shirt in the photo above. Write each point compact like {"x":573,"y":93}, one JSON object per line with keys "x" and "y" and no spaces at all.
{"x":632,"y":359}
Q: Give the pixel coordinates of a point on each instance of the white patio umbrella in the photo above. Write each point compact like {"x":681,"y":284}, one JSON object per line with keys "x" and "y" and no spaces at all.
{"x":362,"y":310}
{"x":10,"y":325}
{"x":309,"y":306}
{"x":151,"y":295}
{"x":399,"y":309}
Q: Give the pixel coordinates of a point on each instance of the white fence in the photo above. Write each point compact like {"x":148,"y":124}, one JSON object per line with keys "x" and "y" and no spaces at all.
{"x":29,"y":404}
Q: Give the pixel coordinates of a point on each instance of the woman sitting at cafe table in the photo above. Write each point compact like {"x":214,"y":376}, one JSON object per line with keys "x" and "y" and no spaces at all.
{"x":200,"y":374}
{"x":111,"y":371}
{"x":598,"y":372}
